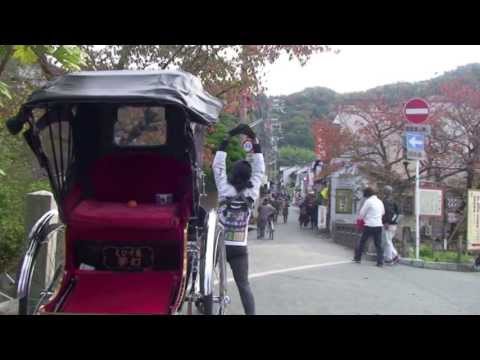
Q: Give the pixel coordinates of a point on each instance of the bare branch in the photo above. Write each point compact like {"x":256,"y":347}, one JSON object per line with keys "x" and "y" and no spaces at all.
{"x":224,"y":91}
{"x":175,"y":54}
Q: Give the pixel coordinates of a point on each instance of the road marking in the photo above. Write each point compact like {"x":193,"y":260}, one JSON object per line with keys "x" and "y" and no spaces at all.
{"x":297,"y":268}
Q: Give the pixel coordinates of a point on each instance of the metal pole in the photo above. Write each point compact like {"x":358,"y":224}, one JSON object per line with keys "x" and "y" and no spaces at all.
{"x":417,"y":210}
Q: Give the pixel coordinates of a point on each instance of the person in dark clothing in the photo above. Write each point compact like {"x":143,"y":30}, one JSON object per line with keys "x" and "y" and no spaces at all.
{"x":303,"y":217}
{"x":390,"y":222}
{"x":265,"y":213}
{"x":310,"y":210}
{"x":285,"y":210}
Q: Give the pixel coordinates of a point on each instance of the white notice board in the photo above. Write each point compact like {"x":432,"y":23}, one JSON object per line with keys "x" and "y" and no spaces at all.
{"x":473,"y":220}
{"x":431,"y":202}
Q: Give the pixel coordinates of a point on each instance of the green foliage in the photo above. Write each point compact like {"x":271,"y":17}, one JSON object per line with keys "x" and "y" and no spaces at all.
{"x":70,"y":58}
{"x":426,"y":253}
{"x":291,"y":155}
{"x":16,"y":163}
{"x":24,"y":54}
{"x":16,"y":177}
{"x":4,"y":92}
{"x":300,"y":110}
{"x":312,"y":103}
{"x":297,"y":132}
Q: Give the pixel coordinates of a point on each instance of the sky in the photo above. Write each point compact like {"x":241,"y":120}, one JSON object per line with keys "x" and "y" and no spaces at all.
{"x":362,"y":67}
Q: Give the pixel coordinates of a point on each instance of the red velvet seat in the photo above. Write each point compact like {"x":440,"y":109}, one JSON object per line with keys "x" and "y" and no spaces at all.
{"x":121,"y":177}
{"x":122,"y":293}
{"x":106,"y":220}
{"x":119,"y":215}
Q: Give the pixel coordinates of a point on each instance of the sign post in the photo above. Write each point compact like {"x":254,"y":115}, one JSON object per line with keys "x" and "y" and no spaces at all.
{"x":416,"y":111}
{"x":417,"y":209}
{"x":415,"y":146}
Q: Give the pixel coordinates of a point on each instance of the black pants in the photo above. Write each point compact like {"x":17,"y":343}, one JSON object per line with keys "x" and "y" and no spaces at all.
{"x":260,"y":229}
{"x":376,"y":233}
{"x":237,"y":257}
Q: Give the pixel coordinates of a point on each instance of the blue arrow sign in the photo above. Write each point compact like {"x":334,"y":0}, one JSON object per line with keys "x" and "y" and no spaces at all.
{"x":415,"y":141}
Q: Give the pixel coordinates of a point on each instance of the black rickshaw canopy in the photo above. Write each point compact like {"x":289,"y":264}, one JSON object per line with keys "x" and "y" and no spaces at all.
{"x":173,"y":87}
{"x":80,"y":110}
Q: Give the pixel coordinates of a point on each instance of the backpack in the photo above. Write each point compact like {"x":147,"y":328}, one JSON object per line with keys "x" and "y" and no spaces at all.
{"x":234,"y":214}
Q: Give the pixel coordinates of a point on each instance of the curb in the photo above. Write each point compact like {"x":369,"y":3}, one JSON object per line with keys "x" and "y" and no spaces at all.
{"x":439,"y":265}
{"x":431,"y":264}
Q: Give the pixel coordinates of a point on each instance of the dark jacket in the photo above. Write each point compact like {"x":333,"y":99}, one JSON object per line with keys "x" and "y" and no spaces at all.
{"x":391,"y":212}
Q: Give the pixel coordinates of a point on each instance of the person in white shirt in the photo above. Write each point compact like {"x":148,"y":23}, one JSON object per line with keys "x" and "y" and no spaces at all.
{"x":371,"y":213}
{"x":245,"y":180}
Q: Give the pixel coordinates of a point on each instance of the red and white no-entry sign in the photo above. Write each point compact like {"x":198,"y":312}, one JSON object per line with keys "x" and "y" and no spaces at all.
{"x":416,"y":110}
{"x":247,"y":145}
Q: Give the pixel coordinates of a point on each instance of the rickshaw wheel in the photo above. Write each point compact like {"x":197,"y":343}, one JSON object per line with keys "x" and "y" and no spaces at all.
{"x":213,"y":271}
{"x":35,"y":285}
{"x":38,"y":296}
{"x":215,"y":303}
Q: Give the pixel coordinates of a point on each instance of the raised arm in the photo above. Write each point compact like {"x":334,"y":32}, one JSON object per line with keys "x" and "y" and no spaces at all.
{"x":258,"y":168}
{"x":220,"y":168}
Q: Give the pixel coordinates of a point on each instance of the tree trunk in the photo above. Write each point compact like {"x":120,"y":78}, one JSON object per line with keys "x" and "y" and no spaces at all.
{"x":7,"y":57}
{"x":124,"y":54}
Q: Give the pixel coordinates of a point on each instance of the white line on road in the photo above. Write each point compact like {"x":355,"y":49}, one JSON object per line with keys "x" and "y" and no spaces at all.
{"x":297,"y":268}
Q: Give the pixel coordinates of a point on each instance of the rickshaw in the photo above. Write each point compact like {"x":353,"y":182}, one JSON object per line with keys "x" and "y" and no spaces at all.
{"x":123,"y":153}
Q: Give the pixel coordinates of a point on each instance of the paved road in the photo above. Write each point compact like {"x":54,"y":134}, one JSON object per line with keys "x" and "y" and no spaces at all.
{"x":303,"y":273}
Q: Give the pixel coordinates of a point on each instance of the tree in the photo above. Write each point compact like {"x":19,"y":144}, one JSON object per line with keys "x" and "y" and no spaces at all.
{"x":16,"y":177}
{"x":231,"y":72}
{"x":21,"y":69}
{"x":296,"y":132}
{"x":331,"y":141}
{"x":458,"y":132}
{"x":291,"y":156}
{"x":375,"y":126}
{"x":52,"y":59}
{"x":215,"y":136}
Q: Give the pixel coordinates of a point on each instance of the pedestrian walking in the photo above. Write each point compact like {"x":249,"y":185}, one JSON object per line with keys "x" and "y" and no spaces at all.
{"x":303,"y":217}
{"x":285,"y":210}
{"x":265,"y":212}
{"x":277,"y":204}
{"x":371,"y":213}
{"x":390,"y":222}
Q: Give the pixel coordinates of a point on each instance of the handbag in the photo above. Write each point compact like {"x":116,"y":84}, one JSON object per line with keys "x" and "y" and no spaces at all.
{"x":360,"y":224}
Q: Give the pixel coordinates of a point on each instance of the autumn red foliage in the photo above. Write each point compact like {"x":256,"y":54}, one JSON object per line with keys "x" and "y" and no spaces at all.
{"x":331,"y":141}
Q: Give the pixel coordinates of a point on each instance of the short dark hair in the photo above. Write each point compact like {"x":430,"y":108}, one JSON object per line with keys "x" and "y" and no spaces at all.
{"x":368,"y":191}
